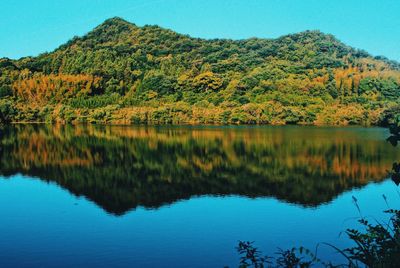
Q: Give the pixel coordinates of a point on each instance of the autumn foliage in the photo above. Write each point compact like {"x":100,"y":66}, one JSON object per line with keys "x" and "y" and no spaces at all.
{"x":41,"y":88}
{"x":121,"y":73}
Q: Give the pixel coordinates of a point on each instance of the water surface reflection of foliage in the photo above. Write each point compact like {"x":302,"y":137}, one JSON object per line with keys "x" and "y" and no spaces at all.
{"x":120,"y":167}
{"x":394,"y":140}
{"x":375,"y":244}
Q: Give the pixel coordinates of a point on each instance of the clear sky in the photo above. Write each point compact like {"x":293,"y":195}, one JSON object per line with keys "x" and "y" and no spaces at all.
{"x":28,"y":27}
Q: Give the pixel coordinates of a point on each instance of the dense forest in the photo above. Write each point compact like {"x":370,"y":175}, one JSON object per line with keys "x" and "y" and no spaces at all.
{"x":122,"y":73}
{"x":122,"y":167}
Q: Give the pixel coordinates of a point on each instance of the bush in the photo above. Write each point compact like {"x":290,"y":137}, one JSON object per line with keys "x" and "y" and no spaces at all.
{"x":5,"y":91}
{"x":377,"y":246}
{"x":7,"y":111}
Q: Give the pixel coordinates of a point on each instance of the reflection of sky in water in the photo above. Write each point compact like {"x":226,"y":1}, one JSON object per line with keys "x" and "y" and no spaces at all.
{"x":42,"y":224}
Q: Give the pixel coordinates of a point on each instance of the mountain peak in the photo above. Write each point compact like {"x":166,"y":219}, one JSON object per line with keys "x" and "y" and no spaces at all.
{"x":115,"y":21}
{"x":110,"y":30}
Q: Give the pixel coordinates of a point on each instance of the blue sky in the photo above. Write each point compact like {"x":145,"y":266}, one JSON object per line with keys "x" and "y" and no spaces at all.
{"x":30,"y":27}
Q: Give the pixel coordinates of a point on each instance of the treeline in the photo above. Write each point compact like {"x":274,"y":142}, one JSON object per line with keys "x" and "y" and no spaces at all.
{"x":127,"y":74}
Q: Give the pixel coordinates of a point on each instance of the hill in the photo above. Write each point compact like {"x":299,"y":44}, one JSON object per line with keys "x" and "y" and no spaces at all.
{"x":122,"y":73}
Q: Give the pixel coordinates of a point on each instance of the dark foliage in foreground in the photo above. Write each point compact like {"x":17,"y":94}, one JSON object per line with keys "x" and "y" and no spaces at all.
{"x":377,"y":246}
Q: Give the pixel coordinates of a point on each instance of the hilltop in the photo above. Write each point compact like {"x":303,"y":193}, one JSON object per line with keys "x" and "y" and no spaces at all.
{"x":122,"y":73}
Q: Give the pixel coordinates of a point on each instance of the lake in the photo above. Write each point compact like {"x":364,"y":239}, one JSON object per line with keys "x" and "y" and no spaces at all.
{"x":137,"y":196}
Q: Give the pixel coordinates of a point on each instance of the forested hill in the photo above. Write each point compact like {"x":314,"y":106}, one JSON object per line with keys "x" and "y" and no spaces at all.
{"x":122,"y":73}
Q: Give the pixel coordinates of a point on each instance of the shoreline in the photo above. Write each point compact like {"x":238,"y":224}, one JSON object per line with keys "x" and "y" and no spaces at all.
{"x":189,"y":124}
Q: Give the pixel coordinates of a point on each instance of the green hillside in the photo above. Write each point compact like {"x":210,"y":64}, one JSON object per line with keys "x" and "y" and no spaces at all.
{"x":122,"y":73}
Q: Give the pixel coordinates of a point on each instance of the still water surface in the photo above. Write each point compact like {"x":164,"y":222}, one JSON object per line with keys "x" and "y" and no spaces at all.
{"x":102,"y":196}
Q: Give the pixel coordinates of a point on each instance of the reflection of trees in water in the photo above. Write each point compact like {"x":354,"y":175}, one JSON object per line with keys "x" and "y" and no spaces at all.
{"x":394,"y":139}
{"x":120,"y":168}
{"x":376,"y":244}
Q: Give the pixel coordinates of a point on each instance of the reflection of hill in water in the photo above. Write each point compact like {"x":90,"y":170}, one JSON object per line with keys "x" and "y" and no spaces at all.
{"x":121,"y":168}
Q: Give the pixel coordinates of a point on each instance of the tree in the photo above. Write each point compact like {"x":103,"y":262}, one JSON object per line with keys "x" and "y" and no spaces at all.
{"x":6,"y":112}
{"x":207,"y":81}
{"x":5,"y":90}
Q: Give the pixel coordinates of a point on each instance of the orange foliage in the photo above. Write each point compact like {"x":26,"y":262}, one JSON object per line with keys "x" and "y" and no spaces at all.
{"x":348,"y":79}
{"x":41,"y":88}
